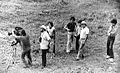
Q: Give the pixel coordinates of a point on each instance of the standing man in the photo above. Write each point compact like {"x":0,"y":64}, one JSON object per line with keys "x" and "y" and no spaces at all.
{"x":83,"y":38}
{"x":23,"y":39}
{"x":44,"y":42}
{"x":78,"y":30}
{"x":112,"y":32}
{"x":51,"y":31}
{"x":70,"y":27}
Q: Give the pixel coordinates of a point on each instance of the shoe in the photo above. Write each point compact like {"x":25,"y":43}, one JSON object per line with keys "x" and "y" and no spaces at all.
{"x":68,"y":51}
{"x":76,"y":59}
{"x":111,"y":59}
{"x":107,"y":57}
{"x":42,"y":67}
{"x":26,"y":66}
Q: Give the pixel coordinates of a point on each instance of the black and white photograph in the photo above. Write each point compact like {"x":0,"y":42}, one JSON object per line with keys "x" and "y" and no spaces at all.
{"x":59,"y":36}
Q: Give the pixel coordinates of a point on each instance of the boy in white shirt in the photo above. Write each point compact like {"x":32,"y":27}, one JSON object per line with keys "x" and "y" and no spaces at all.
{"x":44,"y":42}
{"x":83,"y":38}
{"x":51,"y":31}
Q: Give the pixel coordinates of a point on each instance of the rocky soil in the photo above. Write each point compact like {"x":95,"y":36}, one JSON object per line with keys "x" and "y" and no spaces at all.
{"x":32,"y":14}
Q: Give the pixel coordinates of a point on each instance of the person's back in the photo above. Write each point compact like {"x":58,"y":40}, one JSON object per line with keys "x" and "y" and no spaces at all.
{"x":25,"y":42}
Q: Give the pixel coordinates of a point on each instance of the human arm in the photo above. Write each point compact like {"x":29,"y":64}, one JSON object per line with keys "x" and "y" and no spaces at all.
{"x":15,"y":42}
{"x":109,"y":30}
{"x":66,"y":27}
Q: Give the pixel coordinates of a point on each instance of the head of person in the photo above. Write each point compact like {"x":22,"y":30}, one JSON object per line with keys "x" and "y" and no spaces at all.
{"x":50,"y":24}
{"x":72,"y":19}
{"x":23,"y":33}
{"x":43,"y":28}
{"x":79,"y":23}
{"x":114,"y":22}
{"x":17,"y":31}
{"x":83,"y":24}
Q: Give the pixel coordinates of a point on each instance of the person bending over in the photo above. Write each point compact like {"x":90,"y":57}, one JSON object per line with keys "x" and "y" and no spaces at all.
{"x":24,"y":41}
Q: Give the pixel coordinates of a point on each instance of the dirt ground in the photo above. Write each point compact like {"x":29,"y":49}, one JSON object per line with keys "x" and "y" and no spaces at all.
{"x":31,"y":15}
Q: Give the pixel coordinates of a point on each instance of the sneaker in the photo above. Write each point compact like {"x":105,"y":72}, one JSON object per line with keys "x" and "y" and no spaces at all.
{"x":42,"y":67}
{"x":26,"y":66}
{"x":76,"y":59}
{"x":111,"y":59}
{"x":68,"y":51}
{"x":107,"y":57}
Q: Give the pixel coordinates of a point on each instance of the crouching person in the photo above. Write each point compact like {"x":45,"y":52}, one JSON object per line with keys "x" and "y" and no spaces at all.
{"x":83,"y":38}
{"x":44,"y":42}
{"x":23,"y":39}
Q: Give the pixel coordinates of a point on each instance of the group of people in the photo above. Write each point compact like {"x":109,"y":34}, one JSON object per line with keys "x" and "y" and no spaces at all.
{"x":78,"y":30}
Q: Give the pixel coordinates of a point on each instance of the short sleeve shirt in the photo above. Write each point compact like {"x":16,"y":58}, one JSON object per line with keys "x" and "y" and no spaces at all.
{"x":113,"y":30}
{"x":84,"y":32}
{"x":50,"y":31}
{"x":71,"y":26}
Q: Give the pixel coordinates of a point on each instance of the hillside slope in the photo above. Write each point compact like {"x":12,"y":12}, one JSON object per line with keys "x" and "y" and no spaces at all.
{"x":31,"y":15}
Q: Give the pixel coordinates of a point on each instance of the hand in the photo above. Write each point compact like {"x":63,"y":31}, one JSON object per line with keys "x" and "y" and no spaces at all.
{"x":9,"y":33}
{"x":68,"y":29}
{"x":13,"y":43}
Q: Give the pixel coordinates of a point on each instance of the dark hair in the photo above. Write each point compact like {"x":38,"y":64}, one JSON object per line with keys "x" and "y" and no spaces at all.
{"x":23,"y":32}
{"x":18,"y":28}
{"x":80,"y":21}
{"x":72,"y":18}
{"x":51,"y":23}
{"x":114,"y":21}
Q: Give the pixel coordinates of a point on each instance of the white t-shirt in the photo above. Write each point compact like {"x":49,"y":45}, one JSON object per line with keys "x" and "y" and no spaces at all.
{"x":45,"y":40}
{"x":50,"y":31}
{"x":84,"y":32}
{"x":78,"y":30}
{"x":112,"y":30}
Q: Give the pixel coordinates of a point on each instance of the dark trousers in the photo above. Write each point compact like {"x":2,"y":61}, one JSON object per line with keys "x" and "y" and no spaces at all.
{"x":26,"y":53}
{"x":110,"y":43}
{"x":53,"y":38}
{"x":44,"y":52}
{"x":77,"y":42}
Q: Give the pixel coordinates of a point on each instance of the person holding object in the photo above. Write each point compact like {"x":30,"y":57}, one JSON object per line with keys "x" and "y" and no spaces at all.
{"x":71,"y":28}
{"x":24,"y":41}
{"x":44,"y":43}
{"x":112,"y":32}
{"x":83,"y":38}
{"x":51,"y":31}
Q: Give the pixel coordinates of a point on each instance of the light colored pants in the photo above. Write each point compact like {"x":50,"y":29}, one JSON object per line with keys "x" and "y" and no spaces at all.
{"x":82,"y":43}
{"x":70,"y":37}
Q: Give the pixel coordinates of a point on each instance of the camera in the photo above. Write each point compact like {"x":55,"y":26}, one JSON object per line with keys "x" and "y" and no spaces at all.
{"x":9,"y":33}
